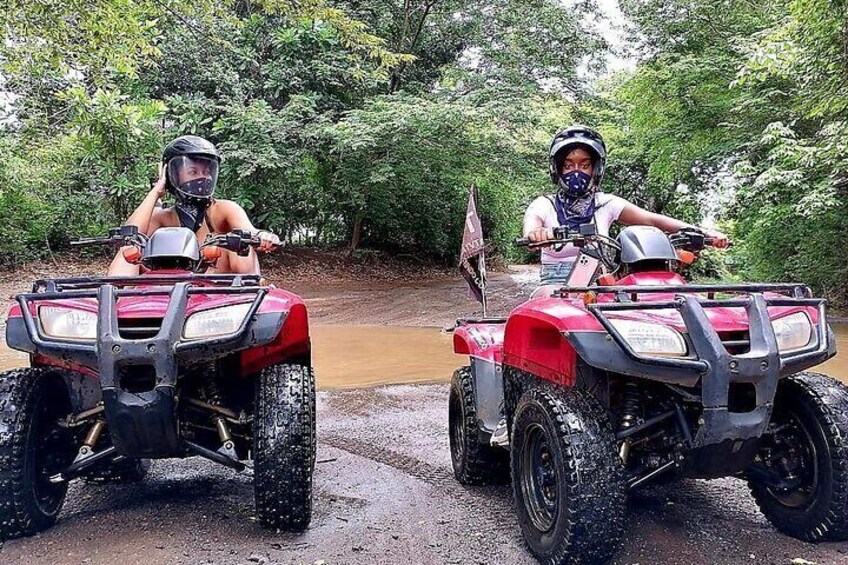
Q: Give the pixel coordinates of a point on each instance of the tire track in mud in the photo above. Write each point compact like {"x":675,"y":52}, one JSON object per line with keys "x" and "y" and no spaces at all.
{"x":491,"y":504}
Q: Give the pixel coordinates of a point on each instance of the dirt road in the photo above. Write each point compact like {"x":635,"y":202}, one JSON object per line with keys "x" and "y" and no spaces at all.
{"x":384,"y":494}
{"x":384,"y":489}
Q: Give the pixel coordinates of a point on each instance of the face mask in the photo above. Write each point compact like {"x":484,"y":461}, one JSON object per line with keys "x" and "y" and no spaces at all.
{"x":574,"y":184}
{"x":200,"y":188}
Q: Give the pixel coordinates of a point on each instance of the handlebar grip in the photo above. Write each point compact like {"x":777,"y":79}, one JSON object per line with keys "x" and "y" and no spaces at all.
{"x":523,"y":241}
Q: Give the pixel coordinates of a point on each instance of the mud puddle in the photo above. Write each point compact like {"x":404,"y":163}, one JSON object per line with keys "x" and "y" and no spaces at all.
{"x":838,"y":366}
{"x":358,"y":356}
{"x":349,"y":356}
{"x":362,"y":356}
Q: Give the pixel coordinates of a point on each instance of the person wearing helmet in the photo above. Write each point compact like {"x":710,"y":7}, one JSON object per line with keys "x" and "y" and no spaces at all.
{"x":189,"y":172}
{"x":577,"y":157}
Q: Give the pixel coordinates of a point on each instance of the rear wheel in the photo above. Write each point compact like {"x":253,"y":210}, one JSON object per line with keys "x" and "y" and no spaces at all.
{"x":474,"y":463}
{"x":800,"y":480}
{"x":33,"y":447}
{"x":284,"y":446}
{"x":567,"y":477}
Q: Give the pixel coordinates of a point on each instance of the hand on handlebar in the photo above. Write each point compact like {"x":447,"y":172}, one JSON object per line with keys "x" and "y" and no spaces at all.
{"x":540,"y":235}
{"x":717,"y":239}
{"x":268,"y":241}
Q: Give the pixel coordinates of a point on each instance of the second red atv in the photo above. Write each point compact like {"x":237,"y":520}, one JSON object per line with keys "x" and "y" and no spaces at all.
{"x":170,"y":363}
{"x":627,"y":379}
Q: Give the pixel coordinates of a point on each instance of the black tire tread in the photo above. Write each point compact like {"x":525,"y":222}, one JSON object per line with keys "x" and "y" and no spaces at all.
{"x":482,"y":464}
{"x":593,"y":471}
{"x":284,"y":446}
{"x":828,"y":400}
{"x":19,"y":395}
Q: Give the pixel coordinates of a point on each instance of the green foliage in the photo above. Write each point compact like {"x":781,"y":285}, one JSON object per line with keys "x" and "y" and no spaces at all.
{"x":350,"y":124}
{"x":748,"y":100}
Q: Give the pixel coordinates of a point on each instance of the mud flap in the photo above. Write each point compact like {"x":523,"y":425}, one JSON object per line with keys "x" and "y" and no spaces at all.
{"x":487,"y":377}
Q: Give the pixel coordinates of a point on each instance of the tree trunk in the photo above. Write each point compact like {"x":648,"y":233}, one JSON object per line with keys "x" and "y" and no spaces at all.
{"x":357,"y":232}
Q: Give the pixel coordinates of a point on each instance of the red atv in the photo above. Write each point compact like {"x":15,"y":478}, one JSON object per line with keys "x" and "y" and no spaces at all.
{"x":627,"y":379}
{"x":167,"y":364}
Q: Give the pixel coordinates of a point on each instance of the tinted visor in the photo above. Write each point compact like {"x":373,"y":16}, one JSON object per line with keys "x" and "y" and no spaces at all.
{"x":194,"y":176}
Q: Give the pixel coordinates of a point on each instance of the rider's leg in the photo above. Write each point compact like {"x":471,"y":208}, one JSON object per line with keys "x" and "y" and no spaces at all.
{"x":120,"y":267}
{"x":545,"y":290}
{"x":232,"y":263}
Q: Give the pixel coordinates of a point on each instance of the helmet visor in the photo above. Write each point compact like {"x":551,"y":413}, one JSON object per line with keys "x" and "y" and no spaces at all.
{"x":193,"y":176}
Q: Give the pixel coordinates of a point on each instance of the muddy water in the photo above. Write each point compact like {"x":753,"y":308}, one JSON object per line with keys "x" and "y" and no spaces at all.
{"x":358,"y":356}
{"x":355,"y":356}
{"x":362,"y":356}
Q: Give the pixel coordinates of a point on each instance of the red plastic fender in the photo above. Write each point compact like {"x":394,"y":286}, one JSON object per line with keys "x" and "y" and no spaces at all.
{"x":484,"y":341}
{"x":293,"y":339}
{"x":534,"y":340}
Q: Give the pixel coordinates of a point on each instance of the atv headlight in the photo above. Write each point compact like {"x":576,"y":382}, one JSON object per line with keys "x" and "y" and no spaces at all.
{"x":216,"y":322}
{"x":67,"y":323}
{"x":651,"y":339}
{"x":793,"y":332}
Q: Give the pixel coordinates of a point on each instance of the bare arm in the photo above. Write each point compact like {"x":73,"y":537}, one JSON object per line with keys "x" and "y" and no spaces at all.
{"x":634,"y":215}
{"x":534,"y":228}
{"x":236,"y":218}
{"x":143,"y":217}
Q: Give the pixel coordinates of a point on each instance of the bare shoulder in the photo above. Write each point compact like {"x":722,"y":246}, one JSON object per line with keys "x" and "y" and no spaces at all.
{"x":225,"y":207}
{"x":162,"y":218}
{"x":228,"y":215}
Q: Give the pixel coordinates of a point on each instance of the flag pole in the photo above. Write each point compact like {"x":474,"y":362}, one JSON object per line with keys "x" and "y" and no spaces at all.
{"x":483,"y":273}
{"x":483,"y":282}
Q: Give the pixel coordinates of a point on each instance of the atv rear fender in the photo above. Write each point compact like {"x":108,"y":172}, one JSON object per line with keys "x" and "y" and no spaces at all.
{"x":482,"y":340}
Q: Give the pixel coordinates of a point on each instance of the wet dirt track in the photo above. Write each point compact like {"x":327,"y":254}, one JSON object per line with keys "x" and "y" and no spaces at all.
{"x":384,"y":490}
{"x":384,"y":494}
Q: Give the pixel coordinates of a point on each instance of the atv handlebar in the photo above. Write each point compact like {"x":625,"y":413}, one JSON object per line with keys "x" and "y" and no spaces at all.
{"x":689,"y":239}
{"x":238,"y":241}
{"x":123,"y":235}
{"x":564,"y":236}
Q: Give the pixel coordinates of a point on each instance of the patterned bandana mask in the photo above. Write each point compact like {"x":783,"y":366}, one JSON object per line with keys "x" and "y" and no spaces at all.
{"x":575,"y":202}
{"x":191,"y":212}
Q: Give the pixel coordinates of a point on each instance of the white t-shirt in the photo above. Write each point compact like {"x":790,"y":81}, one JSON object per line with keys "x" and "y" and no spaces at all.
{"x":607,"y":210}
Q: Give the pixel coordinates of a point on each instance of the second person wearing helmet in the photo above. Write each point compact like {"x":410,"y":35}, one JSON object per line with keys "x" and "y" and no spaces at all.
{"x":577,"y":157}
{"x":189,"y":171}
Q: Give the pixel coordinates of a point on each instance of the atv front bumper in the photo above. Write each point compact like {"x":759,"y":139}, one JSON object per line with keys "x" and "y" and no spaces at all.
{"x":142,"y":424}
{"x":709,"y":362}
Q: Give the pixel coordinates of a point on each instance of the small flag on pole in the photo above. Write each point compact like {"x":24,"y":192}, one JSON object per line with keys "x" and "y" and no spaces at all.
{"x":472,"y":257}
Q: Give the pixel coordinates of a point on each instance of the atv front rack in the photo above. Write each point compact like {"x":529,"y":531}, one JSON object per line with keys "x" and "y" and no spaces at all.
{"x":631,"y":293}
{"x":82,"y":283}
{"x":708,"y":360}
{"x":154,"y":410}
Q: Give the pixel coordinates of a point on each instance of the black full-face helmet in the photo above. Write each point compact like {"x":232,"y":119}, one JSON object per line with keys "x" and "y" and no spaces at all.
{"x":191,"y":169}
{"x":571,"y":138}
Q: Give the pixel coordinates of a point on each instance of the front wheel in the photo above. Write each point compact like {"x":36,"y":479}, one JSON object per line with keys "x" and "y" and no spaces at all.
{"x":800,"y":477}
{"x":284,"y":446}
{"x":33,"y":447}
{"x":567,"y":477}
